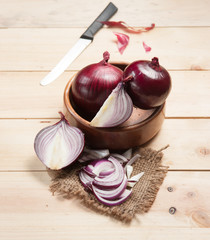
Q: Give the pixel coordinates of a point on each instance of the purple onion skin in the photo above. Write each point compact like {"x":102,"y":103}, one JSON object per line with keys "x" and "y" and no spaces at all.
{"x":150,"y":84}
{"x":92,"y":85}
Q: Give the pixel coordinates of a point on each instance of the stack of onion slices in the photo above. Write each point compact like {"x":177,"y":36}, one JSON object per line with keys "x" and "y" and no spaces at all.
{"x":108,"y":180}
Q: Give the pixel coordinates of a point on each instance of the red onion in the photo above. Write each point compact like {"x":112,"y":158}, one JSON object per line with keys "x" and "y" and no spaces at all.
{"x":150,"y":84}
{"x":92,"y":85}
{"x":117,"y":108}
{"x":59,"y":145}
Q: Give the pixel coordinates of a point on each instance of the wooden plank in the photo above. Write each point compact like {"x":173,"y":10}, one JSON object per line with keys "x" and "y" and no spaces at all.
{"x":189,"y":144}
{"x":41,"y":49}
{"x":189,"y":96}
{"x":31,"y":100}
{"x":57,"y":232}
{"x":29,"y":209}
{"x":66,"y":13}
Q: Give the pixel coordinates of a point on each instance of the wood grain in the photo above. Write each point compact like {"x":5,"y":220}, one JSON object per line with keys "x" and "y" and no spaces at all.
{"x":34,"y":36}
{"x":41,"y":49}
{"x":31,"y":100}
{"x":189,"y":96}
{"x":188,"y":139}
{"x":66,"y":13}
{"x":36,"y":213}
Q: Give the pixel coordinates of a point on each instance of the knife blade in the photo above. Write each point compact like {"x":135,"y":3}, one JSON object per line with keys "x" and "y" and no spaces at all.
{"x":85,"y":39}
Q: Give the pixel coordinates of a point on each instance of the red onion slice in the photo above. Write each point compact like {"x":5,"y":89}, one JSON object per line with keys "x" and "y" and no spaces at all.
{"x":112,"y":180}
{"x":115,"y":202}
{"x":113,"y":193}
{"x":59,"y":145}
{"x":122,"y":41}
{"x":88,"y":171}
{"x":85,"y":179}
{"x":133,"y":180}
{"x":129,"y":170}
{"x":128,"y":153}
{"x":132,"y":160}
{"x":92,"y":154}
{"x":104,"y":169}
{"x":119,"y":157}
{"x":101,"y":167}
{"x":116,"y":109}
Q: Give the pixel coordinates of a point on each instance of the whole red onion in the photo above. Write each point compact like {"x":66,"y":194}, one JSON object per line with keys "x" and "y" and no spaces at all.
{"x":92,"y":85}
{"x":149,"y":84}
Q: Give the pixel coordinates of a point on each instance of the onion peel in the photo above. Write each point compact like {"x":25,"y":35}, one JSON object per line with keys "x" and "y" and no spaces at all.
{"x":127,"y":28}
{"x":122,"y":41}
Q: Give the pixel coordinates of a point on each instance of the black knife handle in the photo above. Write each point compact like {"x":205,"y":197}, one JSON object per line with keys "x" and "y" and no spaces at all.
{"x":108,"y":12}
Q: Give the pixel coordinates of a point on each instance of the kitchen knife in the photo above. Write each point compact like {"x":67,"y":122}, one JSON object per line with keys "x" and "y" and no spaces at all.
{"x":81,"y":44}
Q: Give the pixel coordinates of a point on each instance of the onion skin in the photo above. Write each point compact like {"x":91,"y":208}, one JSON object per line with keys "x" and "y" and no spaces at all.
{"x":150,"y":84}
{"x":92,"y":85}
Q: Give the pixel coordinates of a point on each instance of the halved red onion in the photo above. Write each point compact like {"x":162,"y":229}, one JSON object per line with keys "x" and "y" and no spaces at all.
{"x":115,"y":110}
{"x":59,"y":145}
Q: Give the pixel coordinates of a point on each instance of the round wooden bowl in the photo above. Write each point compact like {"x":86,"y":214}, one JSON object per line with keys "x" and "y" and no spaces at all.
{"x":141,"y":127}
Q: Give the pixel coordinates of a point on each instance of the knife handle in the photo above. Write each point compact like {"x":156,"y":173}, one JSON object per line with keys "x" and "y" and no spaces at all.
{"x":108,"y":12}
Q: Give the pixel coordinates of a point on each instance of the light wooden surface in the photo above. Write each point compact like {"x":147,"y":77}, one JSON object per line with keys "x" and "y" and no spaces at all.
{"x":34,"y":35}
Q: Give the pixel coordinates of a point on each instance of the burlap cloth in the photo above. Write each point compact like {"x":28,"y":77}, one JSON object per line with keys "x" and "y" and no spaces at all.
{"x":66,"y":183}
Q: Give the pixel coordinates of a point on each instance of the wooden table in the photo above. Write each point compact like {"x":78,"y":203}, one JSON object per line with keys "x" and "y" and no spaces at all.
{"x":34,"y":35}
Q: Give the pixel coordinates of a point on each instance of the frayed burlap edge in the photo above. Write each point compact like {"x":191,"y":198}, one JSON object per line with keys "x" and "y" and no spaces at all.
{"x":66,"y":183}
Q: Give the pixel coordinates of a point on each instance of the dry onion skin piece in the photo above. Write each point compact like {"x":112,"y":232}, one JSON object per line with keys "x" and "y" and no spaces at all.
{"x":146,"y":47}
{"x":127,"y":28}
{"x":122,"y":41}
{"x":59,"y":145}
{"x":115,"y":110}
